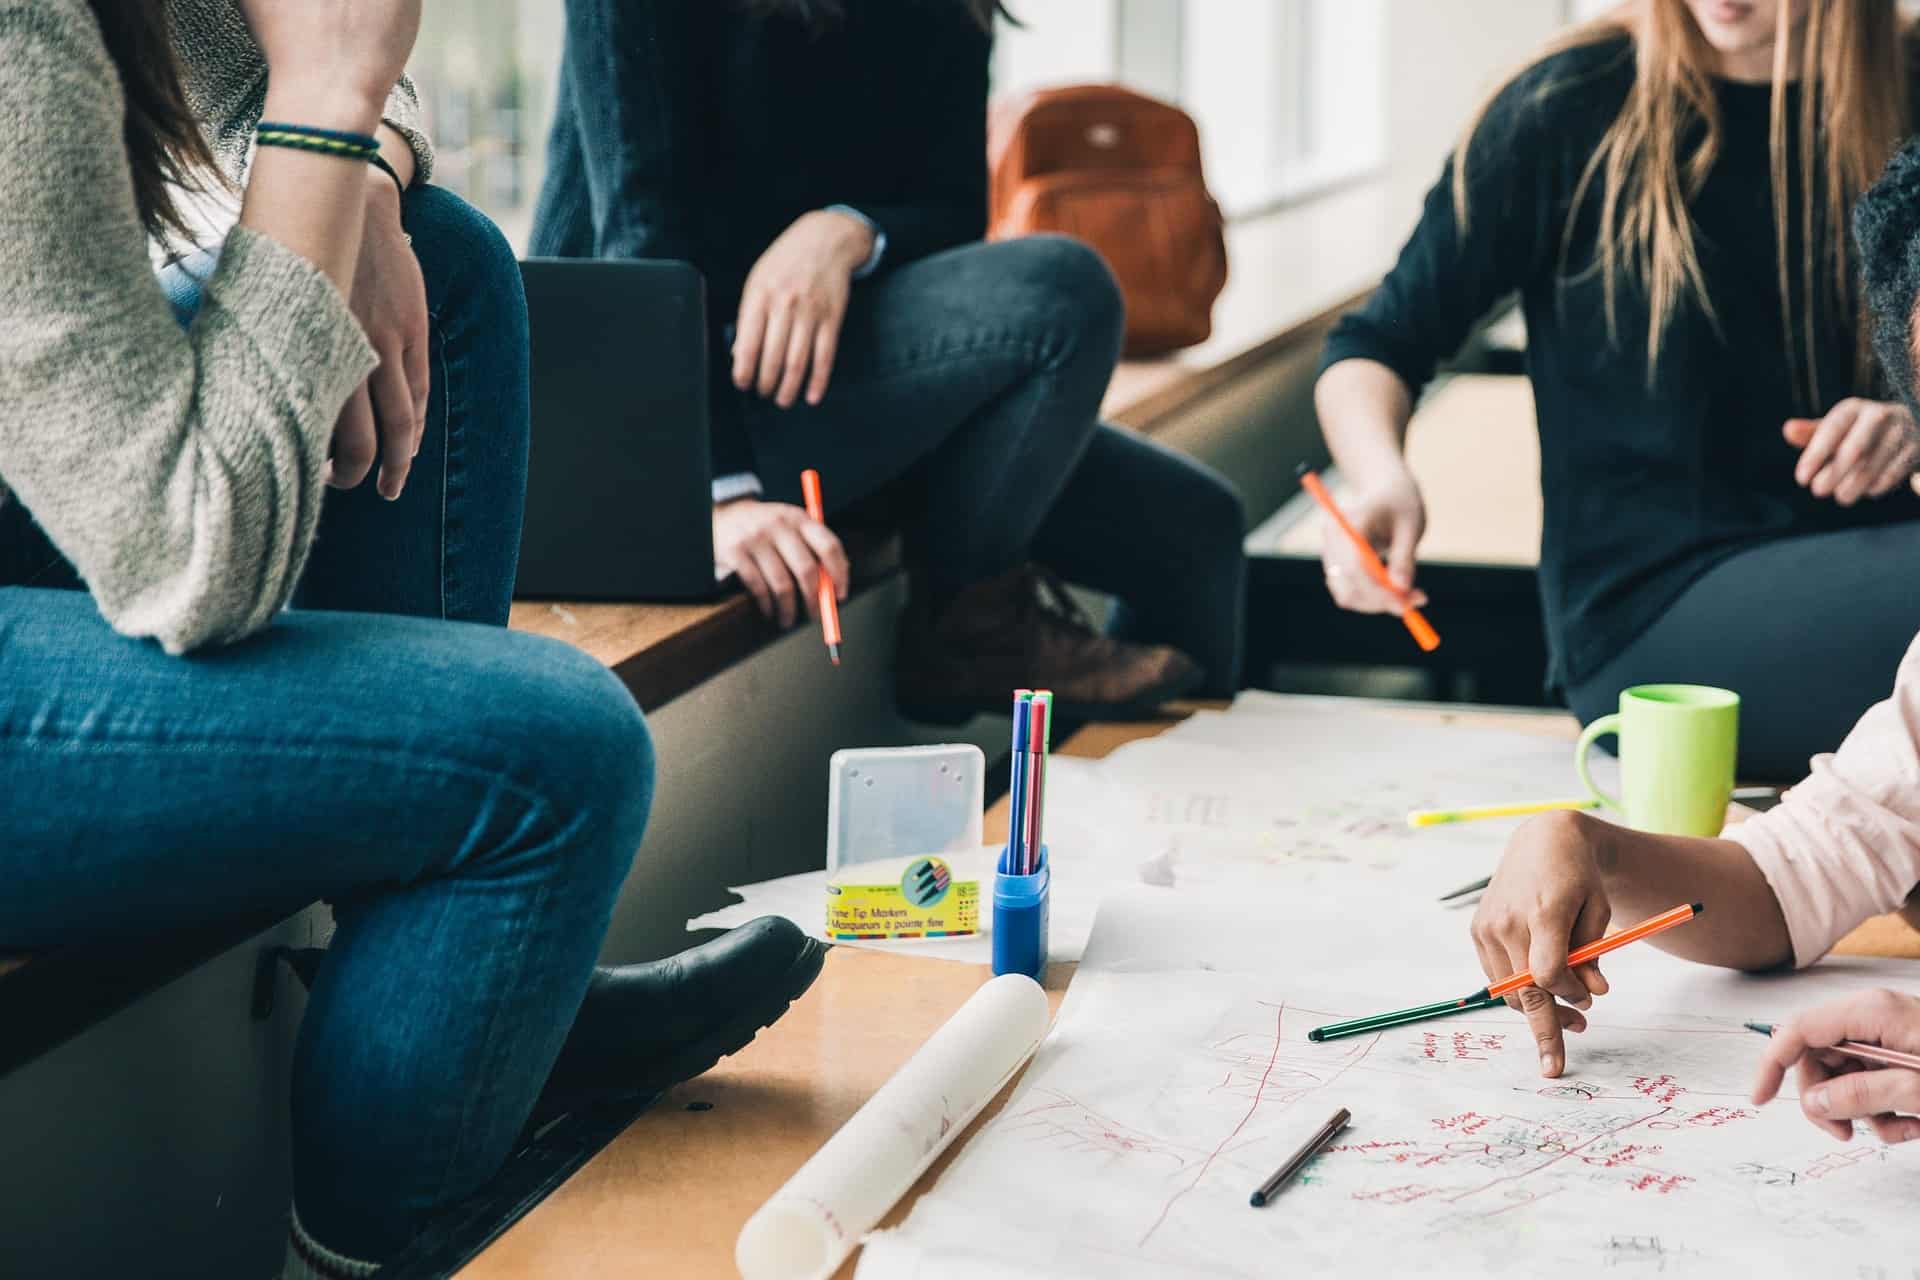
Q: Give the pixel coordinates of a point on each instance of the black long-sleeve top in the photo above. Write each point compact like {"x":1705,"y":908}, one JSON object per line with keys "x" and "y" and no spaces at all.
{"x":1645,"y":485}
{"x":698,"y":130}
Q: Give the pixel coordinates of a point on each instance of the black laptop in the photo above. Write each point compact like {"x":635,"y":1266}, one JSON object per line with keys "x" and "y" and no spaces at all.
{"x":619,"y":480}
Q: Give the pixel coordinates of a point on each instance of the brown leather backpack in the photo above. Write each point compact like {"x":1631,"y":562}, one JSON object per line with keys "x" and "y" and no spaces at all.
{"x":1120,"y":171}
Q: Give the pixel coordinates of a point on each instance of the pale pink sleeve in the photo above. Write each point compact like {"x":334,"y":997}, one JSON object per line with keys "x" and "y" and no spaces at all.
{"x":1844,"y":845}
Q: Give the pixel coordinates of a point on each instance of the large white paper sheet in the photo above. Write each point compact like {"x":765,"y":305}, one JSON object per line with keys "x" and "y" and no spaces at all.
{"x":1178,"y":1076}
{"x":1414,"y":956}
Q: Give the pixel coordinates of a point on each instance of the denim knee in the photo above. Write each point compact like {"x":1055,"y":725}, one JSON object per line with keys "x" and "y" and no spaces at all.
{"x":438,"y":219}
{"x":465,"y":258}
{"x":1070,"y":284}
{"x":575,"y":745}
{"x":603,"y":759}
{"x":1215,"y":508}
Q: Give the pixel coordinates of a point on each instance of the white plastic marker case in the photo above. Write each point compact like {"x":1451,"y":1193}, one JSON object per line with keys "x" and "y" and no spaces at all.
{"x":896,"y":802}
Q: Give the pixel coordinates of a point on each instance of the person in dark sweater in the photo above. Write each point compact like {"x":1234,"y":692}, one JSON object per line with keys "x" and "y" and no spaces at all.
{"x":1725,"y":485}
{"x":824,"y":163}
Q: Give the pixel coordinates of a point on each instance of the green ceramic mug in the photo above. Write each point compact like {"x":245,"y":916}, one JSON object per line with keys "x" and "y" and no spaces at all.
{"x":1677,"y":749}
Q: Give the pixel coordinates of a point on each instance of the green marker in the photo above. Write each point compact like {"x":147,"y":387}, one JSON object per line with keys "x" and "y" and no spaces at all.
{"x":1400,"y":1017}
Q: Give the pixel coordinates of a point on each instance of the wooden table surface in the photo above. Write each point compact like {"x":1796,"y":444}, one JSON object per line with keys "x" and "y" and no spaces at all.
{"x":669,"y":1196}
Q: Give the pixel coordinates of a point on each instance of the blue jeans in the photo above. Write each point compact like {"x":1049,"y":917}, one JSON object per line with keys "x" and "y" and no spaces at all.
{"x":966,"y":400}
{"x":967,"y":386}
{"x":469,"y":799}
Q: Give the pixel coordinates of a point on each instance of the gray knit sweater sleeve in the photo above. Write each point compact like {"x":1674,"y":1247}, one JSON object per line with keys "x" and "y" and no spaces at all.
{"x":226,"y":82}
{"x":179,"y":470}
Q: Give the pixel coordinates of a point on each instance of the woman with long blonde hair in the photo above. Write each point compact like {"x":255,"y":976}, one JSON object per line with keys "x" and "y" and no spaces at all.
{"x":1668,"y":189}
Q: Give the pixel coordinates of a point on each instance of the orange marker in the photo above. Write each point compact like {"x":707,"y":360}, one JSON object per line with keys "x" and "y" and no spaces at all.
{"x":829,"y":606}
{"x":1489,"y":996}
{"x":1423,"y":633}
{"x":1594,"y":950}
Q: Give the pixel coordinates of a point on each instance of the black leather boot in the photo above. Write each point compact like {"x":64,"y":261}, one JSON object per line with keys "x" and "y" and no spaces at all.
{"x":643,"y":1027}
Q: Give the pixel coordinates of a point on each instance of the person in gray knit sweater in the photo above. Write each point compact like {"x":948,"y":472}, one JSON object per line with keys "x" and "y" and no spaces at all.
{"x":178,"y":747}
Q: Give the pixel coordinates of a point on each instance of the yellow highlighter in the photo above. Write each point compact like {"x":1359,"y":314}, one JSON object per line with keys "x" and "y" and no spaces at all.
{"x":1439,"y":817}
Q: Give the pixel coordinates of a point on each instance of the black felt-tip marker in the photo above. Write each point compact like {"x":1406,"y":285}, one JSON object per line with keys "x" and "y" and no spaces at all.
{"x":1307,"y":1151}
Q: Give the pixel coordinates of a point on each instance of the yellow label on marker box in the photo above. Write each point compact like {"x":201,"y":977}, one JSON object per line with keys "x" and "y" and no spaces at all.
{"x":901,"y":898}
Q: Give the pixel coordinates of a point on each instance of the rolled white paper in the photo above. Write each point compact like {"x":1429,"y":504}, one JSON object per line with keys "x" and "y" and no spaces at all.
{"x":813,"y":1222}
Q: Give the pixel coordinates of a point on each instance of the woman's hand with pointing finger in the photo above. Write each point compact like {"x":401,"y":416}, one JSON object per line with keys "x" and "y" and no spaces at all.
{"x":1545,"y":901}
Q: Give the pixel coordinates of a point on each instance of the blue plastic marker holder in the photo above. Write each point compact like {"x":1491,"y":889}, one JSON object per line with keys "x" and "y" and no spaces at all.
{"x":1021,"y":905}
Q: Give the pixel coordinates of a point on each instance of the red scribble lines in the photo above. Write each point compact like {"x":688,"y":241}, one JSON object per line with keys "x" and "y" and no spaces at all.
{"x":1660,"y":1088}
{"x":1835,"y":1161}
{"x":1207,"y":1164}
{"x":1083,"y":1128}
{"x":1660,"y":1184}
{"x":1714,"y":1117}
{"x":1407,"y":1193}
{"x":1559,"y":1156}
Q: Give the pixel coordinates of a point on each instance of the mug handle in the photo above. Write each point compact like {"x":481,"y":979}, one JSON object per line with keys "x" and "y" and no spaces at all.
{"x":1608,"y":724}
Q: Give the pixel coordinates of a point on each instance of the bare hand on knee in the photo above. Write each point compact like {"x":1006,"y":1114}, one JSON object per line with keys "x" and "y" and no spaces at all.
{"x":795,"y":299}
{"x":1861,"y":449}
{"x":388,"y":414}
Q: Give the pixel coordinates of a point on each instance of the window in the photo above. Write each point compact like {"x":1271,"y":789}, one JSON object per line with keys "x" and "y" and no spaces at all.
{"x":486,"y":70}
{"x":1288,"y":94}
{"x":1291,"y":95}
{"x":1058,"y":42}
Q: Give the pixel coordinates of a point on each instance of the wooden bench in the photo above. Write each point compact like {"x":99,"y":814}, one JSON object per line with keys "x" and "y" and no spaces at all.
{"x":143,"y":1086}
{"x":49,"y":997}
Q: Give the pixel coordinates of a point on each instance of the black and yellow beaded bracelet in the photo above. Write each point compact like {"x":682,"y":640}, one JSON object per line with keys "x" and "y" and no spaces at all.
{"x":333,"y":142}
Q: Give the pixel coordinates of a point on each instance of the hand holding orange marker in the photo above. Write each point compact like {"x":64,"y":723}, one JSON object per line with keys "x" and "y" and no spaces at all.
{"x":829,"y":607}
{"x":1492,"y":994}
{"x":1681,"y":914}
{"x":1423,"y":633}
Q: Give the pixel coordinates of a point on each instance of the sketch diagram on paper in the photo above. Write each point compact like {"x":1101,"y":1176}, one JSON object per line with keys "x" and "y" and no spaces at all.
{"x":1290,"y":793}
{"x":1163,"y":1098}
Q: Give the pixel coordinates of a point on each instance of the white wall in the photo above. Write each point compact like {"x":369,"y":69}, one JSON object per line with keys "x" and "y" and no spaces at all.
{"x":1273,"y":128}
{"x":1443,"y":57}
{"x":1231,"y":52}
{"x":1059,"y":42}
